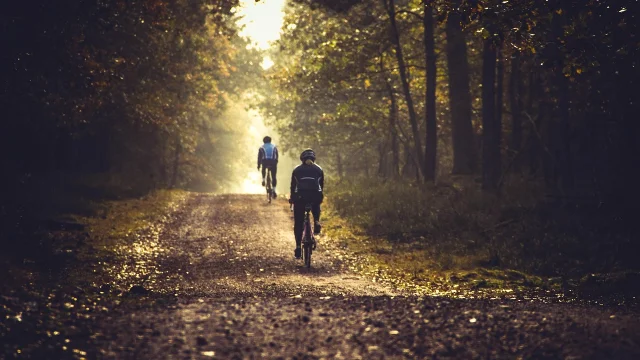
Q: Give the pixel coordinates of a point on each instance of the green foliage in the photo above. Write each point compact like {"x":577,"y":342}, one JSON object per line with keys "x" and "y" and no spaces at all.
{"x":455,"y":221}
{"x":114,"y":99}
{"x":338,"y":90}
{"x":134,"y":91}
{"x":331,"y":89}
{"x":403,"y":211}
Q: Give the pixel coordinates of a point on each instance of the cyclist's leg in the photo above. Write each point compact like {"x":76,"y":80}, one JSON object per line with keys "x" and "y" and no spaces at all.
{"x":298,"y":217}
{"x":274,"y":171}
{"x":316,"y":211}
{"x":315,"y":208}
{"x":264,"y":173}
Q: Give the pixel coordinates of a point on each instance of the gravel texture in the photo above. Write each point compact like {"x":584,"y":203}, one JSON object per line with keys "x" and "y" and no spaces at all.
{"x":217,"y":279}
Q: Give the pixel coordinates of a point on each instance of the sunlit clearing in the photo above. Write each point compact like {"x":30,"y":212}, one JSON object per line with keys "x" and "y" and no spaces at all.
{"x":261,"y":20}
{"x":245,"y":177}
{"x":266,"y":63}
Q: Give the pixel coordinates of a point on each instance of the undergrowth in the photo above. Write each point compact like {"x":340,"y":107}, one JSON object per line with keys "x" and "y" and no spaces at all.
{"x":48,"y":220}
{"x":124,"y":217}
{"x":455,"y":225}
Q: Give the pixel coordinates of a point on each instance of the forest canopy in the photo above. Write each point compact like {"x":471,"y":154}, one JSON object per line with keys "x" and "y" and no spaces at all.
{"x":132,"y":89}
{"x":418,"y":89}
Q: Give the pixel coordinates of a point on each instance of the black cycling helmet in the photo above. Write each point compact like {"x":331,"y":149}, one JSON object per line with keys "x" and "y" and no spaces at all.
{"x":266,"y":139}
{"x":308,"y":154}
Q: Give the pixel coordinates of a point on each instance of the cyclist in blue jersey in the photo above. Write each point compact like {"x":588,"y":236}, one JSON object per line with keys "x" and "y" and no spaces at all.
{"x":268,"y":158}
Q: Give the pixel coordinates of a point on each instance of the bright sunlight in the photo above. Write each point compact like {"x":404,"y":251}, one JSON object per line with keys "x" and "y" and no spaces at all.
{"x":261,"y":21}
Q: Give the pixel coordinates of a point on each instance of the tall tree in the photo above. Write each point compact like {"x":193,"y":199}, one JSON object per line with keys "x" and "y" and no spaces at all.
{"x":406,"y":87}
{"x":499,"y":100}
{"x":515,"y":102}
{"x":490,"y":128}
{"x":393,"y":131}
{"x":562,"y":144}
{"x":464,"y":151}
{"x":430,"y":94}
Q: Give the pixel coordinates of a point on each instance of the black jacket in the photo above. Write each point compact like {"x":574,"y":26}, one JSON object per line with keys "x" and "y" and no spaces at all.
{"x":307,"y":178}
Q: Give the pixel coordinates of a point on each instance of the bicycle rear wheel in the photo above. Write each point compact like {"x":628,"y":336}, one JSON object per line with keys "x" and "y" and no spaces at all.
{"x":306,"y":254}
{"x":307,"y":242}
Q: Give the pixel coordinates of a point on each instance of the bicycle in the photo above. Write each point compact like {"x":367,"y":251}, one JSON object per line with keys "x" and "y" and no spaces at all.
{"x":268,"y":185}
{"x":308,"y":240}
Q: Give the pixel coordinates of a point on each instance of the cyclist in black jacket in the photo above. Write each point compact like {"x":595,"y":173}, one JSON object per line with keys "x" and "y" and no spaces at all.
{"x":307,"y":183}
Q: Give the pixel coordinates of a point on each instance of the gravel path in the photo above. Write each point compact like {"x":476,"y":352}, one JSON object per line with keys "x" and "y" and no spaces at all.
{"x":219,"y":281}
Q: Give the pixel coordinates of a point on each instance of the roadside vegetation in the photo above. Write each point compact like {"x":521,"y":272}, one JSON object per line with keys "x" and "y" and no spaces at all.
{"x":470,"y":134}
{"x":454,"y":234}
{"x":85,"y":265}
{"x":83,"y":231}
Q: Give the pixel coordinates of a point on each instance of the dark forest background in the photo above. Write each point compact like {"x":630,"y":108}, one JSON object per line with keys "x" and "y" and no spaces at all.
{"x":112,"y":99}
{"x":502,"y":128}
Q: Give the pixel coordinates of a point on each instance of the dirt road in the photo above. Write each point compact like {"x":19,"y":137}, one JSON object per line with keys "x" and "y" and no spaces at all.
{"x":217,"y":279}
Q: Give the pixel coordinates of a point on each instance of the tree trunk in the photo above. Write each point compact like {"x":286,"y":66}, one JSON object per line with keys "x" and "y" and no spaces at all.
{"x":515,"y":100}
{"x":430,"y":95}
{"x":413,"y":118}
{"x":393,"y":118}
{"x":464,"y":153}
{"x":382,"y":159}
{"x":490,"y":138}
{"x":548,"y":141}
{"x":164,"y":175}
{"x":410,"y":167}
{"x":533,"y":126}
{"x":393,"y":133}
{"x":499,"y":104}
{"x":176,"y":162}
{"x":405,"y":172}
{"x":562,"y":145}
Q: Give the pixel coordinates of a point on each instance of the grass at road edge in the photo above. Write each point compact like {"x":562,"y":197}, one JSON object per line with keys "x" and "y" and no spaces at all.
{"x":123,"y":218}
{"x":127,"y":233}
{"x":412,"y":267}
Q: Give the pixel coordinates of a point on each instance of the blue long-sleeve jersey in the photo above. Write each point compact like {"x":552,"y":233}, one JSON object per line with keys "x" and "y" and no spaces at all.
{"x":268,"y":153}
